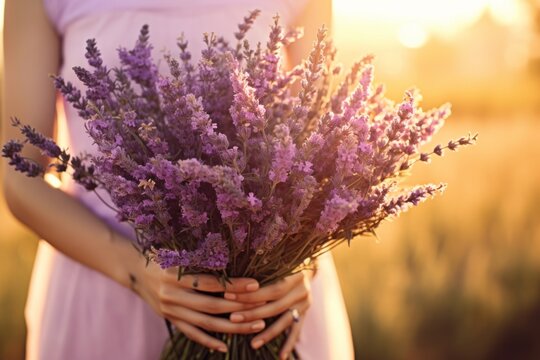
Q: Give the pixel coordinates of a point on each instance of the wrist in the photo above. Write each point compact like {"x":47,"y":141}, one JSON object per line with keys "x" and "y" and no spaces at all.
{"x":143,"y":278}
{"x":130,"y":264}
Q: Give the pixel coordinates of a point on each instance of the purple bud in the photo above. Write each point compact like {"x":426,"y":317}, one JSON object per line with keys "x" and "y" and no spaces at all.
{"x":424,"y":157}
{"x":404,"y":166}
{"x":11,"y":148}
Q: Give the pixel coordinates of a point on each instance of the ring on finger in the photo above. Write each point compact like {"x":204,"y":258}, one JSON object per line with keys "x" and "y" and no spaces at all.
{"x":295,"y":314}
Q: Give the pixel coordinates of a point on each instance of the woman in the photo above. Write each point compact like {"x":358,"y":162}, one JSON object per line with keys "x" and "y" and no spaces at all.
{"x":80,"y":304}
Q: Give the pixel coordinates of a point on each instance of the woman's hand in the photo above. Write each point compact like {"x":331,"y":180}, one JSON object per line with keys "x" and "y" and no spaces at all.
{"x":289,"y":297}
{"x":190,"y":311}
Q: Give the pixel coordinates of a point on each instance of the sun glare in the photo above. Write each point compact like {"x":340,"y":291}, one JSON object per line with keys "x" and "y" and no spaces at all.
{"x":412,"y":35}
{"x":412,"y":22}
{"x":508,"y":12}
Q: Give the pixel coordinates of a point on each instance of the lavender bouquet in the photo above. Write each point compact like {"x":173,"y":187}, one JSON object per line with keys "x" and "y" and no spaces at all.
{"x":222,"y":167}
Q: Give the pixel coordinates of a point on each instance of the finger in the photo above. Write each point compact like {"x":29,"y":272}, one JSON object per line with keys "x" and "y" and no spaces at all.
{"x":212,"y":323}
{"x":272,"y":308}
{"x":198,"y":336}
{"x":278,"y":326}
{"x":200,"y":302}
{"x":269,"y":292}
{"x":211,"y":283}
{"x":292,"y":339}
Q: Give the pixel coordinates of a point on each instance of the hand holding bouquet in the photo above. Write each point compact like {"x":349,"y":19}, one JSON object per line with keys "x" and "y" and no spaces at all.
{"x":222,"y":168}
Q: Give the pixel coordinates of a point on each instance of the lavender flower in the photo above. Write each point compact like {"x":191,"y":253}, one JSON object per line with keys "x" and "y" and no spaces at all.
{"x":221,"y":166}
{"x":212,"y":254}
{"x":47,"y":146}
{"x":340,"y":204}
{"x":12,"y":150}
{"x":412,"y":198}
{"x":284,"y":153}
{"x":246,"y":112}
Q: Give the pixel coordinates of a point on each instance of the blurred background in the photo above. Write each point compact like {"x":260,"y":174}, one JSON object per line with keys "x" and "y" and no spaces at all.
{"x":458,"y":277}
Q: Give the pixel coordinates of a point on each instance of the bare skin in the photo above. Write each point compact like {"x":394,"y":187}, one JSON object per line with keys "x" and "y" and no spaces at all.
{"x":32,"y":51}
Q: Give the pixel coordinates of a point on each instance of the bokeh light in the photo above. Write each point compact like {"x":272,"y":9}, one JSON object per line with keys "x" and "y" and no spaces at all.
{"x":52,"y":180}
{"x":412,"y":35}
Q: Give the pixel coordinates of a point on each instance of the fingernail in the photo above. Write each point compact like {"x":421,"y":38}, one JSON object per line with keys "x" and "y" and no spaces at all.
{"x":259,"y":325}
{"x":230,"y":296}
{"x":257,"y":344}
{"x":222,"y":348}
{"x":252,"y":286}
{"x":284,"y":356}
{"x":237,"y":318}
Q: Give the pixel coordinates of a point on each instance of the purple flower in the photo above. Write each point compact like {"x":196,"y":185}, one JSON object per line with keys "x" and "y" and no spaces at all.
{"x":273,"y":231}
{"x":284,"y":153}
{"x":337,"y":207}
{"x":227,"y":159}
{"x":138,"y":61}
{"x":212,"y":254}
{"x":144,"y":219}
{"x":347,"y":156}
{"x":83,"y":174}
{"x":239,"y":236}
{"x":93,"y":55}
{"x":47,"y":146}
{"x":11,"y":148}
{"x":254,"y":203}
{"x":170,"y":258}
{"x":246,"y":112}
{"x":244,"y":27}
{"x":193,"y":204}
{"x":412,"y":198}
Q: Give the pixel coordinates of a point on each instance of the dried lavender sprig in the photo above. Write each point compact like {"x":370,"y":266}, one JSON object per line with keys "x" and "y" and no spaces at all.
{"x":348,"y":82}
{"x":73,"y":96}
{"x":314,"y":68}
{"x":47,"y":146}
{"x":12,"y":150}
{"x":81,"y":173}
{"x":412,"y":198}
{"x":452,"y":145}
{"x":248,"y":22}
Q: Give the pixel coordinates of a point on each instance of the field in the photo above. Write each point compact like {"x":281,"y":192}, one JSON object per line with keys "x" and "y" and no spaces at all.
{"x":458,"y":277}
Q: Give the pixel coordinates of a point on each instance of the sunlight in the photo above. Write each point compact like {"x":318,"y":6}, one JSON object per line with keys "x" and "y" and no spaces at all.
{"x":412,"y":35}
{"x":427,"y":12}
{"x":508,"y":12}
{"x":52,"y":180}
{"x":1,"y":15}
{"x":411,"y":22}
